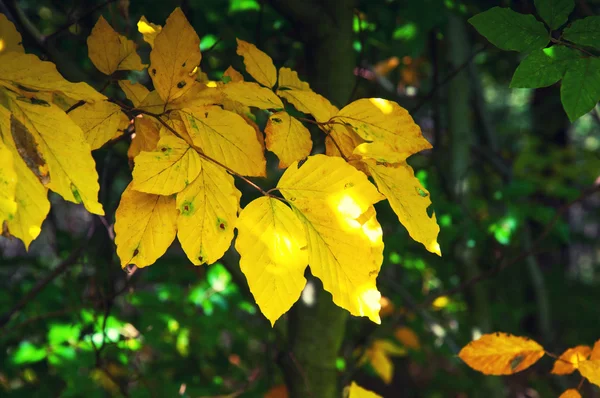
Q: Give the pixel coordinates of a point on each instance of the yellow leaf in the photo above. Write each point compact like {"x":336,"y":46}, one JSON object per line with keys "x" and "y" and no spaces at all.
{"x":100,"y":121}
{"x":258,"y":64}
{"x":29,"y":71}
{"x":31,"y":196}
{"x":356,"y":391}
{"x":287,"y":138}
{"x":10,"y":38}
{"x":501,"y":354}
{"x":335,"y":203}
{"x":67,"y":154}
{"x":225,"y":137}
{"x":233,"y":75}
{"x":153,"y":103}
{"x":208,"y":209}
{"x":570,"y":359}
{"x":392,"y":133}
{"x":175,"y":54}
{"x":272,"y":247}
{"x":171,"y":167}
{"x":110,"y":52}
{"x":341,"y":141}
{"x":307,"y":101}
{"x":379,"y":354}
{"x":8,"y":183}
{"x":409,"y":200}
{"x":199,"y":95}
{"x":408,"y":338}
{"x":148,"y":30}
{"x":251,"y":94}
{"x":570,"y":393}
{"x":591,"y":371}
{"x":28,"y":148}
{"x":146,"y":136}
{"x":440,"y":302}
{"x":135,"y":92}
{"x":145,"y":226}
{"x":289,"y":78}
{"x":595,"y":354}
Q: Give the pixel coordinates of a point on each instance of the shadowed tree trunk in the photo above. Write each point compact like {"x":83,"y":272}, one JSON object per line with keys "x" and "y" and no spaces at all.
{"x":316,"y":331}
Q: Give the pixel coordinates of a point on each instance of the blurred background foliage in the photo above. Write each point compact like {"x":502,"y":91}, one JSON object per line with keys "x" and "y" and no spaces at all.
{"x":505,"y":162}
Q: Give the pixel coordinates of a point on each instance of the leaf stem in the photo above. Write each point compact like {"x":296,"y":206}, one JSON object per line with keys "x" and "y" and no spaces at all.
{"x":571,"y":45}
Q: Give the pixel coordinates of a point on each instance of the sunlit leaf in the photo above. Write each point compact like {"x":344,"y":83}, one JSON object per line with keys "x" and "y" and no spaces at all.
{"x":148,"y":30}
{"x":258,"y":64}
{"x":570,"y":359}
{"x":570,"y":393}
{"x":591,"y":371}
{"x":251,"y":94}
{"x":273,"y":251}
{"x":287,"y":138}
{"x":135,"y":92}
{"x":100,"y":122}
{"x":356,"y":391}
{"x":501,"y":354}
{"x":10,"y":38}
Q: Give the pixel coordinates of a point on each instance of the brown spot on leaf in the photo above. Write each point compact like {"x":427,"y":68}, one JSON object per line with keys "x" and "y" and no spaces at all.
{"x":181,"y":84}
{"x":153,"y":71}
{"x":136,"y":252}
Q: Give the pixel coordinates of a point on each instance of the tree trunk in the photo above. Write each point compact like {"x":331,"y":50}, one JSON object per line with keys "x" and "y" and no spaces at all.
{"x":316,"y":331}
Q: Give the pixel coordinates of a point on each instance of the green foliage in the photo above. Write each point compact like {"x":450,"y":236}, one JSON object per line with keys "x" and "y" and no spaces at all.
{"x":554,"y":12}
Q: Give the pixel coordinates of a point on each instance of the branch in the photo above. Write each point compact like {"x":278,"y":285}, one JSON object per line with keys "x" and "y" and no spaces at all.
{"x":72,"y":21}
{"x":62,"y":267}
{"x":445,"y":81}
{"x":505,"y":263}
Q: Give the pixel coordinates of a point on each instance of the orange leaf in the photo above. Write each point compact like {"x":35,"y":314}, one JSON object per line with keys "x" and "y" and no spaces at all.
{"x":595,"y":351}
{"x":408,"y":338}
{"x":570,"y":359}
{"x":570,"y":393}
{"x":591,"y":371}
{"x":501,"y":354}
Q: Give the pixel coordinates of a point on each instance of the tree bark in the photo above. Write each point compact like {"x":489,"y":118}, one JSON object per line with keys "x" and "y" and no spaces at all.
{"x":316,"y":331}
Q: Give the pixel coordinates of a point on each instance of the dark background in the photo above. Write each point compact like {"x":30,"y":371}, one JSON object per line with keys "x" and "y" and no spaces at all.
{"x":508,"y":178}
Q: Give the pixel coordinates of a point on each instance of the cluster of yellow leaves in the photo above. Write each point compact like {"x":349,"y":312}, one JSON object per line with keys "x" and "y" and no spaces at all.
{"x":192,"y":136}
{"x":504,"y":354}
{"x":41,"y":146}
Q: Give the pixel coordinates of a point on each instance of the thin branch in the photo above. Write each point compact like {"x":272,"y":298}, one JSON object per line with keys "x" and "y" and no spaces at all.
{"x":230,"y":170}
{"x":72,"y":21}
{"x":505,"y":263}
{"x":62,"y":267}
{"x":445,"y":81}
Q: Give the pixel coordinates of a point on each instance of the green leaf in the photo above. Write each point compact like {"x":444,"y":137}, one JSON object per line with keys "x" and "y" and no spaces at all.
{"x":554,"y":12}
{"x":28,"y":353}
{"x":585,"y":32}
{"x":543,"y":67}
{"x":580,"y":90}
{"x":509,"y":30}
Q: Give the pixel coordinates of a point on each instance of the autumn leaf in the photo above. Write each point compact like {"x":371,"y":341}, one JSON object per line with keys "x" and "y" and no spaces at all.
{"x":8,"y":184}
{"x":30,"y":195}
{"x":341,"y":141}
{"x":378,"y":355}
{"x":145,"y":226}
{"x":10,"y":38}
{"x":171,"y":167}
{"x":409,"y":200}
{"x":570,"y":359}
{"x":110,"y":52}
{"x":29,"y":71}
{"x":595,"y":354}
{"x":335,"y":201}
{"x":175,"y":55}
{"x":251,"y":94}
{"x":258,"y":64}
{"x":288,"y":78}
{"x":391,"y":132}
{"x":287,"y":138}
{"x":68,"y":156}
{"x":147,"y":134}
{"x":208,"y":209}
{"x":273,"y":251}
{"x":153,"y":103}
{"x":100,"y":122}
{"x":233,"y":75}
{"x":356,"y":391}
{"x":591,"y":371}
{"x":148,"y":30}
{"x":408,"y":338}
{"x":501,"y":354}
{"x":135,"y":92}
{"x":227,"y":138}
{"x":198,"y":96}
{"x":570,"y":393}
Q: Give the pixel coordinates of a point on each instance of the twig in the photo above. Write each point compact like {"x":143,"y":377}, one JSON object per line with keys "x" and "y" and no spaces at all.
{"x":62,"y":267}
{"x":503,"y":264}
{"x":445,"y":81}
{"x":71,"y":21}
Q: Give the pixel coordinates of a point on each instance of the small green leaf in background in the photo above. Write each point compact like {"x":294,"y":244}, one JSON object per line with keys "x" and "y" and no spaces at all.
{"x":509,"y":30}
{"x":554,"y":12}
{"x":580,"y":89}
{"x":28,"y":353}
{"x":543,"y":67}
{"x":585,"y":32}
